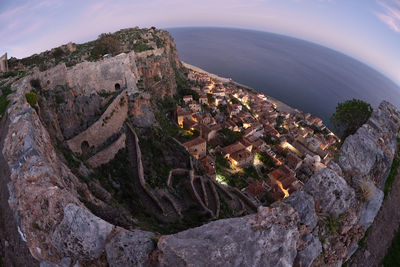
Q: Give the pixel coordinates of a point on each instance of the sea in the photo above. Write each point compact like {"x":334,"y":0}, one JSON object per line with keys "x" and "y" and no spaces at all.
{"x":304,"y":75}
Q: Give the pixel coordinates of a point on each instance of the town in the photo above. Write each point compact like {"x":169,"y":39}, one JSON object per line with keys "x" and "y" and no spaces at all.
{"x":243,"y":139}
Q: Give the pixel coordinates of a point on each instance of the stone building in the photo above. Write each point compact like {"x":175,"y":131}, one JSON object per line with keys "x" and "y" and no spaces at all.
{"x":3,"y":63}
{"x":197,"y":147}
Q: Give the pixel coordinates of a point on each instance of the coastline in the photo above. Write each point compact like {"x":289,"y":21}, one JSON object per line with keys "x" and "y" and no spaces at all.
{"x":281,"y":106}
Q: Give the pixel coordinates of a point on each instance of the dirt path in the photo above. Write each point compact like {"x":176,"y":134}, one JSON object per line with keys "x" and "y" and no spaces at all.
{"x":382,"y":230}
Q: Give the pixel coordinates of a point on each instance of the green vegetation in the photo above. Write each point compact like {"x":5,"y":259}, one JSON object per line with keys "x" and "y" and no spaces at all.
{"x":58,"y":53}
{"x":229,"y":137}
{"x":6,"y":90}
{"x":140,"y":46}
{"x":333,"y":224}
{"x":107,"y":43}
{"x":251,"y":172}
{"x":32,"y":98}
{"x":227,"y":176}
{"x":349,"y":116}
{"x":14,"y":73}
{"x":183,"y":86}
{"x":160,"y":154}
{"x":105,"y":94}
{"x":266,"y":159}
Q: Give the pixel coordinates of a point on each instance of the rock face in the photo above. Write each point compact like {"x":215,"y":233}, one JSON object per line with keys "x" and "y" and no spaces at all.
{"x":80,"y":234}
{"x":45,"y":197}
{"x":303,"y":203}
{"x":331,"y":191}
{"x":306,"y":256}
{"x":266,"y":239}
{"x":371,"y":208}
{"x":369,"y":152}
{"x":129,"y":249}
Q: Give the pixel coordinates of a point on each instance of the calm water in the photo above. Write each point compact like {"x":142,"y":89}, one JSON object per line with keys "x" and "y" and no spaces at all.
{"x":303,"y":75}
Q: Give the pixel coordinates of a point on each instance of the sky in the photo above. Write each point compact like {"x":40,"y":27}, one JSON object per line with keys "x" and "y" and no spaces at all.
{"x":368,"y":30}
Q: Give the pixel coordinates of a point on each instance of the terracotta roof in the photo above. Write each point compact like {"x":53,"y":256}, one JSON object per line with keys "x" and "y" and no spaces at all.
{"x":240,"y":155}
{"x":256,"y":188}
{"x":233,"y":148}
{"x":293,"y":160}
{"x":288,"y":181}
{"x":194,"y":142}
{"x":245,"y":142}
{"x":276,"y":174}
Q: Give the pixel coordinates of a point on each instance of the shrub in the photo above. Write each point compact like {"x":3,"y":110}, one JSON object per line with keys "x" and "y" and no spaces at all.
{"x":32,"y":98}
{"x":366,"y":189}
{"x":107,"y":43}
{"x":58,"y":53}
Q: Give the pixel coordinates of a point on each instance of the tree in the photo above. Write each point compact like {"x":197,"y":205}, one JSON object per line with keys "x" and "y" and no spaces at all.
{"x":349,"y":116}
{"x":107,"y":43}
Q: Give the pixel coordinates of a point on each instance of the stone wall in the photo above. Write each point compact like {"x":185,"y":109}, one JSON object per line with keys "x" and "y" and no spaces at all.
{"x":93,"y":77}
{"x":109,"y":124}
{"x":3,"y":63}
{"x":107,"y":154}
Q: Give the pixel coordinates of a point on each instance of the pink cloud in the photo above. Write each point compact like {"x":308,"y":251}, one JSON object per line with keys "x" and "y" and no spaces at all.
{"x":391,"y":14}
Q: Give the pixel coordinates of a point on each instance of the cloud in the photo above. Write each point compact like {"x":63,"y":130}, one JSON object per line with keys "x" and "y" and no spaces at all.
{"x":391,"y":14}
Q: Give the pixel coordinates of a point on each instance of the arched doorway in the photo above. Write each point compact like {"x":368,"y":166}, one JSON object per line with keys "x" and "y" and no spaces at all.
{"x":117,"y":86}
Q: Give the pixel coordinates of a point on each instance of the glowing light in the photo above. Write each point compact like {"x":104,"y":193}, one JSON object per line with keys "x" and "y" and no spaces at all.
{"x":285,"y":191}
{"x":221,"y":179}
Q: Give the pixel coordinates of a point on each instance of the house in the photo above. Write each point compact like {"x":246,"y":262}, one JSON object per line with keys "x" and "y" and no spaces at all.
{"x":257,"y":189}
{"x":241,"y":158}
{"x":316,"y":121}
{"x":237,"y":154}
{"x":188,"y":124}
{"x":246,"y":143}
{"x":229,"y":124}
{"x":228,"y":150}
{"x":203,"y":100}
{"x":196,"y":147}
{"x":271,"y":131}
{"x":206,"y":132}
{"x":209,"y":166}
{"x":182,"y":114}
{"x":194,"y":107}
{"x":187,"y":99}
{"x":293,"y":161}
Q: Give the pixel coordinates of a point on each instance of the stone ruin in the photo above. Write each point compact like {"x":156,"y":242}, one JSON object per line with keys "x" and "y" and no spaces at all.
{"x":3,"y":63}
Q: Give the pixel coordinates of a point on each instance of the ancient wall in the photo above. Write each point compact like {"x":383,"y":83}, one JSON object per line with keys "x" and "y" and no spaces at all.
{"x":3,"y":63}
{"x":107,"y":154}
{"x":94,"y":77}
{"x":109,"y":124}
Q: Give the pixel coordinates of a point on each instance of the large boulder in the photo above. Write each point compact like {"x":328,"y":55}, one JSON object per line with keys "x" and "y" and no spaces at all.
{"x":80,"y":234}
{"x":306,"y":256}
{"x":333,"y":194}
{"x":304,"y":204}
{"x":126,"y":249}
{"x":370,"y":151}
{"x":266,"y":239}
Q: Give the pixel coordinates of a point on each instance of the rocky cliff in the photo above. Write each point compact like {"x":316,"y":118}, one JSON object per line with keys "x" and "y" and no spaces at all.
{"x":65,"y":210}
